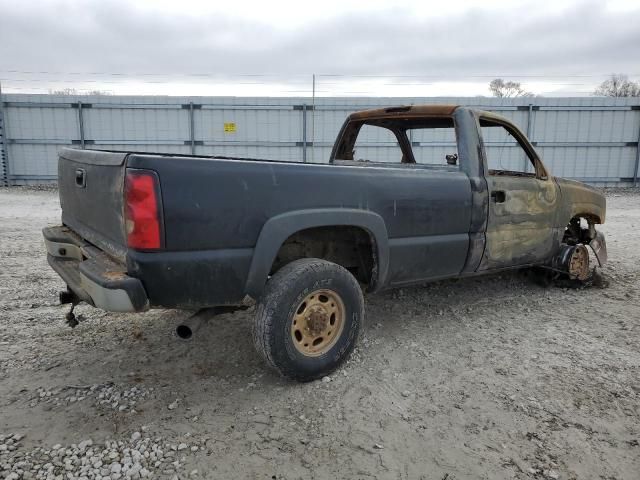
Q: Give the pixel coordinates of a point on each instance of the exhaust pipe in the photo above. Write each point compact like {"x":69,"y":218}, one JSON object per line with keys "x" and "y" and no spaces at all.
{"x":187,"y":328}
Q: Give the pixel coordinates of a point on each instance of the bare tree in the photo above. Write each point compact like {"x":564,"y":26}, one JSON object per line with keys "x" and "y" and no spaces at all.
{"x":97,"y":92}
{"x":618,"y":85}
{"x":64,"y":91}
{"x":73,"y":91}
{"x":499,"y":88}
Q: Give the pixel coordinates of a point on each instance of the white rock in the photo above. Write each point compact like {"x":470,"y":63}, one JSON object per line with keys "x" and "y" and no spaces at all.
{"x":84,"y":444}
{"x":135,"y":436}
{"x":133,"y":471}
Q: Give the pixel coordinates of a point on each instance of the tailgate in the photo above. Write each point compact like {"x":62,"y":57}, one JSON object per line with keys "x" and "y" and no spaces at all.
{"x":91,"y":184}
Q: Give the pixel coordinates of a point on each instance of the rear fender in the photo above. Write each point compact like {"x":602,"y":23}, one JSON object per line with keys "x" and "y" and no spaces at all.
{"x":277,"y":229}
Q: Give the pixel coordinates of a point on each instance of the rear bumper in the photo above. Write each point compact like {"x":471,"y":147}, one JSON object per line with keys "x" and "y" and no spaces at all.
{"x":91,"y":274}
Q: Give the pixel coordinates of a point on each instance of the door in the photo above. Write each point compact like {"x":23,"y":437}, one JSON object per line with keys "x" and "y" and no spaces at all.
{"x":418,"y":188}
{"x":523,"y":200}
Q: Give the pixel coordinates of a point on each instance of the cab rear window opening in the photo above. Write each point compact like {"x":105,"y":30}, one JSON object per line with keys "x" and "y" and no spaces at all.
{"x":429,"y":142}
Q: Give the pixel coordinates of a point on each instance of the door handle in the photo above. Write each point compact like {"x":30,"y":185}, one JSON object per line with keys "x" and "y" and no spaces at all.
{"x":498,"y":196}
{"x":81,"y":178}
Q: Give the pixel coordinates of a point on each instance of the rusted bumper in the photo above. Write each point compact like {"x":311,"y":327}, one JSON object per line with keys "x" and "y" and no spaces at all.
{"x":599,"y":247}
{"x":91,"y":274}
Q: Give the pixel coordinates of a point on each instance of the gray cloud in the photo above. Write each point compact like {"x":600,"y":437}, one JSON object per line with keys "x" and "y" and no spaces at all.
{"x":100,"y":36}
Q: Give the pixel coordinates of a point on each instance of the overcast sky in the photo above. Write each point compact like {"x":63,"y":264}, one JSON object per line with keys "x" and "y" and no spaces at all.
{"x":185,"y":47}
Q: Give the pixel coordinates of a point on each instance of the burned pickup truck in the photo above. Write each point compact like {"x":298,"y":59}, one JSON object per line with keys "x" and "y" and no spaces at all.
{"x":409,"y":195}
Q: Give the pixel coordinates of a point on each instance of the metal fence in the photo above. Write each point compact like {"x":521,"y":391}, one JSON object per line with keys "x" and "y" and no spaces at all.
{"x":595,"y":140}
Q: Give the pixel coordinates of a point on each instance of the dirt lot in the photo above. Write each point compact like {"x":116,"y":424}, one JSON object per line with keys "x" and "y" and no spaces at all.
{"x":492,"y":377}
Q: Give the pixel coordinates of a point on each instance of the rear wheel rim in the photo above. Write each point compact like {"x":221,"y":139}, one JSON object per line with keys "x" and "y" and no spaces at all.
{"x":318,"y":322}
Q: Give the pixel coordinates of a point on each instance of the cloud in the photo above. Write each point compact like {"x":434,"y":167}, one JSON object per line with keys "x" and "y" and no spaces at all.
{"x":117,"y":37}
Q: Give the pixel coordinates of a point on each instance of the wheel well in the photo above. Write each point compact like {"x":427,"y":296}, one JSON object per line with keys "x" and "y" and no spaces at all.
{"x":589,"y":217}
{"x":581,"y":229}
{"x":348,"y":246}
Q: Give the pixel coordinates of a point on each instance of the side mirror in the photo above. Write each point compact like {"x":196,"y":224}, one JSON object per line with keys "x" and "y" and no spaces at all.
{"x":452,"y":159}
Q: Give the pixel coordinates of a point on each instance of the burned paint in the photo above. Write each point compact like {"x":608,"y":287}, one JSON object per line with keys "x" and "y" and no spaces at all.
{"x":521,"y":226}
{"x":408,"y":111}
{"x":580,"y":200}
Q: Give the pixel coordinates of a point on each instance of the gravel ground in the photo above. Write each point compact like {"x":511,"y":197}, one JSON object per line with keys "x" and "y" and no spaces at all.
{"x":493,"y":377}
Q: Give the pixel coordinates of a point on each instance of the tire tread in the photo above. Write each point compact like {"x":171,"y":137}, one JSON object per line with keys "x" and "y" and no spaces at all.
{"x":282,"y":282}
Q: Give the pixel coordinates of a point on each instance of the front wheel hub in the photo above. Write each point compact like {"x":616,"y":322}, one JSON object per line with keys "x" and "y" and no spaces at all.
{"x":578,"y":265}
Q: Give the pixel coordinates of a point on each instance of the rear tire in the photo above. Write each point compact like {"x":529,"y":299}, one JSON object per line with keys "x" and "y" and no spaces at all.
{"x":308,"y":319}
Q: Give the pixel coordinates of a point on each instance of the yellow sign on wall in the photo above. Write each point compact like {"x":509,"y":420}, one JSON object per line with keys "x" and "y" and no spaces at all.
{"x":230,"y":127}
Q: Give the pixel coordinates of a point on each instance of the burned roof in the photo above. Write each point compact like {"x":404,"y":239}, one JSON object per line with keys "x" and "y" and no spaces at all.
{"x":404,"y":111}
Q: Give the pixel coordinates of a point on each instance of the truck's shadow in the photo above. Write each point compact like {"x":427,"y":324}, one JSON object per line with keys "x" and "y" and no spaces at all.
{"x":222,"y":349}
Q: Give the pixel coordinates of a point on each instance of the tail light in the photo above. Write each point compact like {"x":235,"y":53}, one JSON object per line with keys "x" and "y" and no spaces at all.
{"x":143,"y":222}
